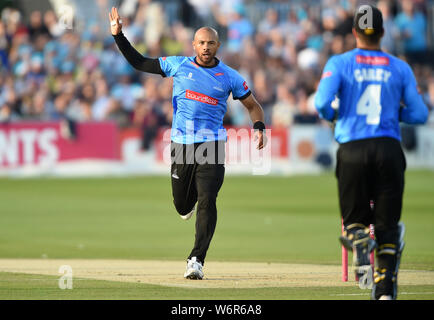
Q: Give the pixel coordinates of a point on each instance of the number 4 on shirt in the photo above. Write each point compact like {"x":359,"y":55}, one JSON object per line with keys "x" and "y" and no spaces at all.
{"x":369,"y":104}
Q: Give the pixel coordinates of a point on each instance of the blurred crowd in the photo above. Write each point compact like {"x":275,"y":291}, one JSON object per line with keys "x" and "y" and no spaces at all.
{"x":53,"y":68}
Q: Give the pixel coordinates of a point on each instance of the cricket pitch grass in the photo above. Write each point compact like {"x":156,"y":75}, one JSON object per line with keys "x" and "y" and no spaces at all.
{"x":122,"y":240}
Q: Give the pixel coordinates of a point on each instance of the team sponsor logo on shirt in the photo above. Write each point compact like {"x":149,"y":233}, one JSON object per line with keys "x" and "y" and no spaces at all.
{"x":164,"y":58}
{"x":219,"y":74}
{"x":245,"y":86}
{"x":374,"y":61}
{"x":196,"y":96}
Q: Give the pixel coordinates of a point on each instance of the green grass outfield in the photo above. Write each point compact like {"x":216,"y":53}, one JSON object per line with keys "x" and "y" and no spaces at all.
{"x":261,"y":219}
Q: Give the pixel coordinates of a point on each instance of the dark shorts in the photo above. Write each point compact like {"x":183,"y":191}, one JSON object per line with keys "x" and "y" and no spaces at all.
{"x":371,"y":169}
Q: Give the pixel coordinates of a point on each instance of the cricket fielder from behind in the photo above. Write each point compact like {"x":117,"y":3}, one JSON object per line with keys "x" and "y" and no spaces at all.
{"x":370,"y":86}
{"x":201,"y":86}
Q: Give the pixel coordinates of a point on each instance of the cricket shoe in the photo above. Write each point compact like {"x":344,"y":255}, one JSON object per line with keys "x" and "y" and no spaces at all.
{"x":386,"y":281}
{"x":357,"y":239}
{"x":188,"y":215}
{"x":194,"y":269}
{"x":385,"y":285}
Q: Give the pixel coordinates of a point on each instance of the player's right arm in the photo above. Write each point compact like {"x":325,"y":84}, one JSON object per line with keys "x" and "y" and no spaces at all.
{"x":136,"y":60}
{"x":414,"y":111}
{"x":327,"y":90}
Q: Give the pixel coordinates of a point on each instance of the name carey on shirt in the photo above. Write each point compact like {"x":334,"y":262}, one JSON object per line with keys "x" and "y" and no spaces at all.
{"x":372,"y":74}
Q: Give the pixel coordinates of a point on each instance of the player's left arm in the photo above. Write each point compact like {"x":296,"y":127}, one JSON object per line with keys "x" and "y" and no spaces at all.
{"x":257,"y":116}
{"x":240,"y":91}
{"x":327,"y":90}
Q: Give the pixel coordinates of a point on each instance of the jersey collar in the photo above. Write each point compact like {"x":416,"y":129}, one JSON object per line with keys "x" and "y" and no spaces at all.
{"x":378,"y":50}
{"x":216,"y":60}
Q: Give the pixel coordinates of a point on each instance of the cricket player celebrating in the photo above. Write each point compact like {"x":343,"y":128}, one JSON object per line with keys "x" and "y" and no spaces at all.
{"x":201,"y":86}
{"x":370,"y":86}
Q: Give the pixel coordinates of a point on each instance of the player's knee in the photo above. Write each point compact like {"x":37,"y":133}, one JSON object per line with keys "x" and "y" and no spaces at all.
{"x":207,"y":200}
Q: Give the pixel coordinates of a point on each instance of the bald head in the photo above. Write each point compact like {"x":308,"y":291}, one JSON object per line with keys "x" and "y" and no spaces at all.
{"x":206,"y":31}
{"x":206,"y":43}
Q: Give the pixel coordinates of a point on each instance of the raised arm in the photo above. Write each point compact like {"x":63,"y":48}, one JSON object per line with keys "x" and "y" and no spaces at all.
{"x":138,"y":61}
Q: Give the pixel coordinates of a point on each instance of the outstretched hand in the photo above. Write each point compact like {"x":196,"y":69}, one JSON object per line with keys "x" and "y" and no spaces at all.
{"x":115,"y":22}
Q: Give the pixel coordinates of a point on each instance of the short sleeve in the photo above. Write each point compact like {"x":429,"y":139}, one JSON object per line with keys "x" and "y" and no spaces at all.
{"x":170,"y":65}
{"x":240,"y":89}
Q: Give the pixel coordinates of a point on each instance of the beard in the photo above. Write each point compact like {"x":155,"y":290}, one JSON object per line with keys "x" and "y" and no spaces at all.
{"x":206,"y":58}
